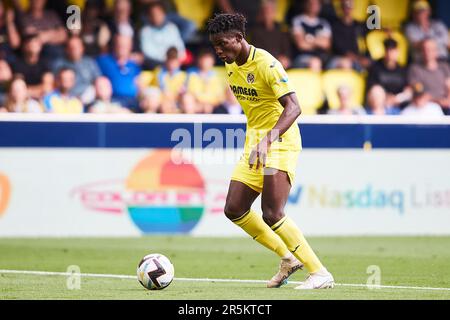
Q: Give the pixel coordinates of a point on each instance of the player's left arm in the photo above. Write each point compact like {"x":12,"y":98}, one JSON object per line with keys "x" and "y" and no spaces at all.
{"x":291,"y":111}
{"x":277,"y":79}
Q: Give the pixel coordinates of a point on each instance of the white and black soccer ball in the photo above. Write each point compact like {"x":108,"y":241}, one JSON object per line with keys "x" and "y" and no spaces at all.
{"x":155,"y":271}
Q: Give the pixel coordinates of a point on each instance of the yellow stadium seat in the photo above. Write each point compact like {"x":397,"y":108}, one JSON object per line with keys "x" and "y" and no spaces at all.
{"x":197,"y":11}
{"x":23,"y":4}
{"x":282,"y":8}
{"x":308,"y":86}
{"x":359,"y":11}
{"x":109,"y":4}
{"x":333,"y":79}
{"x":147,"y":78}
{"x":79,"y":3}
{"x":374,"y":41}
{"x":393,"y":13}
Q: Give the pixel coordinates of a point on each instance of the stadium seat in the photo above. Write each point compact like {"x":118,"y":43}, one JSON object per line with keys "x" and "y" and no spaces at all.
{"x":147,"y":77}
{"x":195,"y":10}
{"x":282,"y":8}
{"x":374,"y":41}
{"x":79,"y":3}
{"x":24,"y":4}
{"x":393,"y":13}
{"x":359,"y":9}
{"x":308,"y":85}
{"x":333,"y":79}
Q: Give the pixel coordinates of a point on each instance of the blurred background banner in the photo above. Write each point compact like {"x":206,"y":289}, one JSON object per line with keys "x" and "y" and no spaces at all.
{"x":384,"y":180}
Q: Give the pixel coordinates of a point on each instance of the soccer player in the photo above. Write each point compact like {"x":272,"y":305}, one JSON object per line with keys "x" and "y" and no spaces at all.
{"x":271,"y":149}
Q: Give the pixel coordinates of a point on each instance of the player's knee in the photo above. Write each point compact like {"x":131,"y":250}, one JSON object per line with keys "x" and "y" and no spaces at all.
{"x":272,"y":215}
{"x":233,"y":211}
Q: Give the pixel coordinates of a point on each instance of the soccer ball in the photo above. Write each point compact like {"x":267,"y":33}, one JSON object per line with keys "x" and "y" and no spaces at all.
{"x":155,"y":271}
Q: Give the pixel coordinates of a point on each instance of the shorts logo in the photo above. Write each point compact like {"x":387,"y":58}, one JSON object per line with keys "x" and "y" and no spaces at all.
{"x":250,"y":78}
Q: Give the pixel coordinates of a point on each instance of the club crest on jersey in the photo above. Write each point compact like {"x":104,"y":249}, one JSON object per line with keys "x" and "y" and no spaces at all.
{"x":250,"y":78}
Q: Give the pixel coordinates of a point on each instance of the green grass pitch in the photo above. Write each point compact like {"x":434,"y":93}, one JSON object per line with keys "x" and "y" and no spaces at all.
{"x":403,"y":261}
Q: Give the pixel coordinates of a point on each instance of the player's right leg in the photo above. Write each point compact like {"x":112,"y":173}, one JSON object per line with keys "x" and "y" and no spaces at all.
{"x":238,"y":204}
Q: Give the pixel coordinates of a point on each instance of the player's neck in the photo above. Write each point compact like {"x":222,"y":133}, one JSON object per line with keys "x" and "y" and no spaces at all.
{"x":243,"y":55}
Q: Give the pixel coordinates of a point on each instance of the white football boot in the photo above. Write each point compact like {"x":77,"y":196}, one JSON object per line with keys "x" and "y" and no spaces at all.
{"x":321,"y":279}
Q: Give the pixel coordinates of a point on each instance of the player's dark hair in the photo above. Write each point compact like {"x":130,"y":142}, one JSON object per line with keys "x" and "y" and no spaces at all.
{"x":226,"y":22}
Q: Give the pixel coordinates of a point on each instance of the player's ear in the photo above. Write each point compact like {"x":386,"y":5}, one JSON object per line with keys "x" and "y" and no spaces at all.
{"x":239,"y":36}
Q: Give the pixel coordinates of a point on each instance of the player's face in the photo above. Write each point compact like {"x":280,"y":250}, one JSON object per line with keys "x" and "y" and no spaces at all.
{"x":227,"y":46}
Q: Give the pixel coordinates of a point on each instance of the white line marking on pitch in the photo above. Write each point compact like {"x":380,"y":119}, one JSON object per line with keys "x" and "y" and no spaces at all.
{"x":118,"y":276}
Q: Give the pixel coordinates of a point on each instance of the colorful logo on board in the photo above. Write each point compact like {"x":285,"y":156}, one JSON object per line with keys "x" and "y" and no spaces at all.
{"x":160,"y":195}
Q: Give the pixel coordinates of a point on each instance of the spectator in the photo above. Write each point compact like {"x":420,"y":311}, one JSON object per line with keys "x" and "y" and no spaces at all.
{"x":347,"y":33}
{"x":47,"y":25}
{"x":421,"y":104}
{"x":17,"y":99}
{"x":151,"y":100}
{"x":5,"y":79}
{"x":387,"y":73}
{"x":103,"y":98}
{"x":171,"y":80}
{"x":346,"y":106}
{"x":312,"y":37}
{"x":61,"y":100}
{"x":121,"y":22}
{"x":33,"y":67}
{"x":230,"y":105}
{"x":269,"y":35}
{"x":204,"y":83}
{"x":188,"y":104}
{"x":249,"y":8}
{"x":9,"y":36}
{"x":432,"y":74}
{"x":94,"y":31}
{"x":86,"y":69}
{"x":122,"y":71}
{"x":158,"y":35}
{"x":377,"y":102}
{"x":422,"y":27}
{"x":186,"y":27}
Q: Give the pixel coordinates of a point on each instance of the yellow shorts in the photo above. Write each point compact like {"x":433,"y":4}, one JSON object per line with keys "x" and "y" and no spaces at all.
{"x":282,"y":160}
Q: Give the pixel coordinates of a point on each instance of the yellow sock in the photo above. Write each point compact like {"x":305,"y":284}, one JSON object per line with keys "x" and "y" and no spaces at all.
{"x":254,"y":225}
{"x":297,"y":244}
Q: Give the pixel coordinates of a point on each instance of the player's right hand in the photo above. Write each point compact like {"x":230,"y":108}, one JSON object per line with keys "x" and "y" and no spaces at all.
{"x":258,"y":155}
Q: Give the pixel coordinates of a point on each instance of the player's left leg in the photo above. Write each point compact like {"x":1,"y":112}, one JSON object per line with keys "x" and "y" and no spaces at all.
{"x":275,"y":193}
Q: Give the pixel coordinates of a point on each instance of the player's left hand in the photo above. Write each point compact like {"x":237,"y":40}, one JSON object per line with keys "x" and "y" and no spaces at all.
{"x":259,"y":154}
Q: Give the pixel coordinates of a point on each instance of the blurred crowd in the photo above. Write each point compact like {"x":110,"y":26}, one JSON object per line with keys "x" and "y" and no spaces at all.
{"x":145,"y":56}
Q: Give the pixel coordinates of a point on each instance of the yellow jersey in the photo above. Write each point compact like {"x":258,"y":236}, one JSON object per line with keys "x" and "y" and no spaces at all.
{"x":257,"y":85}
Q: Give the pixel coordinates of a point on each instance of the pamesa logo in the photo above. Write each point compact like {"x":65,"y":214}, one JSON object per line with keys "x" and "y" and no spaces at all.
{"x":160,"y":195}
